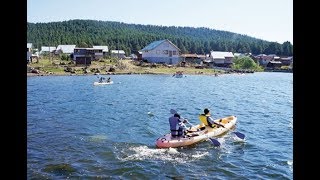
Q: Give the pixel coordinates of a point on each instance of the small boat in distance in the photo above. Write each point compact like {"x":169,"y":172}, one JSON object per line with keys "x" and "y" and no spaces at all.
{"x":103,"y":81}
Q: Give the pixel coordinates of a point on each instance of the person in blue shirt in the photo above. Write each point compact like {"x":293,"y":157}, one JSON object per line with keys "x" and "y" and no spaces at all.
{"x":177,"y":126}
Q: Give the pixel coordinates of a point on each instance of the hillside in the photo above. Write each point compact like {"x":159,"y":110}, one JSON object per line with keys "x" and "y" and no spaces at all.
{"x":133,"y":37}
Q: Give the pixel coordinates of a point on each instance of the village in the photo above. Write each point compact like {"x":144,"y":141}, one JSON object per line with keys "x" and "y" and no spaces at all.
{"x":162,"y":52}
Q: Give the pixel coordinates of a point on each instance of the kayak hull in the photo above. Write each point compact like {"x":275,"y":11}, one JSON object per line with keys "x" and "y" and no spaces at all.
{"x":166,"y":141}
{"x":102,"y":83}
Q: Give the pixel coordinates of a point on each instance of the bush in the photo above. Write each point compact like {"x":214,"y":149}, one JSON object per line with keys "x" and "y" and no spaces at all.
{"x":245,"y":63}
{"x":64,"y":57}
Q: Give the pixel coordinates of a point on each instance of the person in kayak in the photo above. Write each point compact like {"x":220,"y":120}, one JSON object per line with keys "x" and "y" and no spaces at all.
{"x":177,"y":126}
{"x":207,"y":120}
{"x":101,"y":79}
{"x":109,"y":80}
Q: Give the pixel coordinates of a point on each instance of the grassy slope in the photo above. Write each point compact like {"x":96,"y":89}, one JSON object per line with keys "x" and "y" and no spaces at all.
{"x":56,"y":67}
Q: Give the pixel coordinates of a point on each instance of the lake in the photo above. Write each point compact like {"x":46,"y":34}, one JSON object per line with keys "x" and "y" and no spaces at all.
{"x":80,"y":131}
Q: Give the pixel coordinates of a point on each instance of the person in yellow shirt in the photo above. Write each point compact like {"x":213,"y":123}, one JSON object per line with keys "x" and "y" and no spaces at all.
{"x":207,"y":120}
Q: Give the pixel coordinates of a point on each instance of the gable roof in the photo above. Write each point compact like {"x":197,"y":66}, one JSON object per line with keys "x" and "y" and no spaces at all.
{"x":66,"y":48}
{"x":189,"y":55}
{"x":155,"y":44}
{"x":29,"y":45}
{"x":117,"y":52}
{"x":220,"y":54}
{"x":104,"y":48}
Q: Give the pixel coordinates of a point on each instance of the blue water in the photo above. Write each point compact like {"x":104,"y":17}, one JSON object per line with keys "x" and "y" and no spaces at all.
{"x":80,"y":131}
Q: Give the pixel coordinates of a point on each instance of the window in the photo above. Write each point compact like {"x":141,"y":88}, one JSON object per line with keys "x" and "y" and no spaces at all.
{"x":174,"y":52}
{"x":158,"y":51}
{"x":165,"y":52}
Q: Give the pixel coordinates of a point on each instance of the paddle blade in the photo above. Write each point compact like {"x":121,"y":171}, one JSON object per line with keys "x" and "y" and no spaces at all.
{"x":239,"y":135}
{"x":215,"y":142}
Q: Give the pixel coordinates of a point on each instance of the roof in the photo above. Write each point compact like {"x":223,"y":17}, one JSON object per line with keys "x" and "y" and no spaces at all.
{"x":117,"y":52}
{"x":189,"y":55}
{"x":66,"y":48}
{"x":201,"y":56}
{"x":275,"y":62}
{"x":155,"y":44}
{"x":286,"y":58}
{"x":48,"y":48}
{"x":104,"y":48}
{"x":220,"y":54}
{"x":261,"y":55}
{"x":239,"y":54}
{"x":29,"y":45}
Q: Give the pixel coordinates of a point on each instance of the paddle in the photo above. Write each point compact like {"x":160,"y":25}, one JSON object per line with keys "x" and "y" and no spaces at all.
{"x":215,"y":142}
{"x":238,"y":134}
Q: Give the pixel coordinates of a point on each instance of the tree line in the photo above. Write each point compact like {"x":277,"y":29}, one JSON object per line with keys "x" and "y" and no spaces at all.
{"x":133,"y":37}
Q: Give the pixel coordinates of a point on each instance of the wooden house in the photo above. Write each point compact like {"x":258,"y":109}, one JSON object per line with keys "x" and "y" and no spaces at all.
{"x":46,"y":50}
{"x":83,"y":56}
{"x":286,"y":61}
{"x":163,"y":51}
{"x":221,"y":58}
{"x":274,"y":64}
{"x":104,"y":49}
{"x":263,"y":59}
{"x":120,"y":54}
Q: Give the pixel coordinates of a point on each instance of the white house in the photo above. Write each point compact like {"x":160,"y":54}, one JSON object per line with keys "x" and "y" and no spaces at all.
{"x":65,"y":49}
{"x":47,"y":49}
{"x":105,"y":49}
{"x":163,"y":51}
{"x":221,"y":58}
{"x":118,"y":54}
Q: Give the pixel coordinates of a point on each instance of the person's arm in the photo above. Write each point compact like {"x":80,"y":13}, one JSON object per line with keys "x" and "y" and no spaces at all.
{"x":212,"y":122}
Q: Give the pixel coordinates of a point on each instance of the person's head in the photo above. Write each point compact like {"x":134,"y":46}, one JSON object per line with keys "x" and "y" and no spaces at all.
{"x":176,"y":115}
{"x":206,"y":111}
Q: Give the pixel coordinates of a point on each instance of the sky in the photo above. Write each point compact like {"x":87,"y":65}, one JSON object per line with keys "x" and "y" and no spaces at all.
{"x":270,"y":20}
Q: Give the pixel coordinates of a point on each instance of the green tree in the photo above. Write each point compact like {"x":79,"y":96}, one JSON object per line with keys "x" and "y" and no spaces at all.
{"x":245,"y":63}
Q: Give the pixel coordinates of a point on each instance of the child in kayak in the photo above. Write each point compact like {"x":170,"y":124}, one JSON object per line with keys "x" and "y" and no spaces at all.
{"x":177,"y":126}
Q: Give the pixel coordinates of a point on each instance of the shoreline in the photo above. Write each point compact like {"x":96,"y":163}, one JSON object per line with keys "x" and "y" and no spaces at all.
{"x":119,"y":73}
{"x":126,"y":67}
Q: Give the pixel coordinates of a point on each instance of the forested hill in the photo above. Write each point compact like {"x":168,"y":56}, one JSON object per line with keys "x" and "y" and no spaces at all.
{"x":133,"y":37}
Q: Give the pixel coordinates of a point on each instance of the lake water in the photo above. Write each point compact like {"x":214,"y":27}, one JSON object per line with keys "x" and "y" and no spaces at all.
{"x":80,"y":131}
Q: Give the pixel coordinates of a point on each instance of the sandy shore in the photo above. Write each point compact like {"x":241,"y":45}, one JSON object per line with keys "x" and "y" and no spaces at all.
{"x":90,"y":74}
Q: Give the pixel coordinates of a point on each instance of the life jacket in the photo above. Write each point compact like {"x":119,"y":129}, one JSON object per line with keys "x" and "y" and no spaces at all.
{"x":204,"y":120}
{"x":176,"y":129}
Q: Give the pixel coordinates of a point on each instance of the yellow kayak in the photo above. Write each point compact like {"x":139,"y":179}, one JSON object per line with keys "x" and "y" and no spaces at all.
{"x":166,"y":141}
